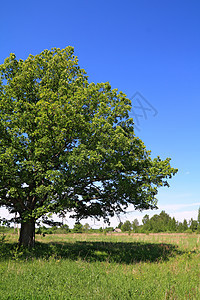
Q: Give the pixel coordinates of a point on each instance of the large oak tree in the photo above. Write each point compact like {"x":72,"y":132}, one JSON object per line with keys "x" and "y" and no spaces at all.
{"x":69,"y":145}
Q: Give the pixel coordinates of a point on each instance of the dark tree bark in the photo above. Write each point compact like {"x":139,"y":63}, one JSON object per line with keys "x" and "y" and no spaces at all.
{"x":27,"y":234}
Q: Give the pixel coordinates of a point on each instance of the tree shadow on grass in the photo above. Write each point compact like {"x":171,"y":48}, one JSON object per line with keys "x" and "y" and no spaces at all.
{"x":117,"y":252}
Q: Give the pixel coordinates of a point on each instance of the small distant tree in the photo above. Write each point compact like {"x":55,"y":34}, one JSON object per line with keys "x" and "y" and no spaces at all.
{"x":65,"y":228}
{"x":172,"y":225}
{"x":146,"y":223}
{"x":145,"y":219}
{"x":155,"y":224}
{"x":120,"y":225}
{"x":100,"y":229}
{"x":185,"y":225}
{"x":180,"y":227}
{"x":126,"y":226}
{"x":135,"y":225}
{"x":108,"y":229}
{"x":193,"y":225}
{"x":86,"y":227}
{"x":78,"y":227}
{"x":158,"y":223}
{"x":198,"y":221}
{"x":198,"y":218}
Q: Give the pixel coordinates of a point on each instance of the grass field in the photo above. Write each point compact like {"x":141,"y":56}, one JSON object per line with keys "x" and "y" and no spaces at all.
{"x":97,"y":266}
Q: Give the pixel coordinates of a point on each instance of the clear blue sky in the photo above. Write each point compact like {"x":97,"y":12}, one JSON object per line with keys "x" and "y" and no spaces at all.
{"x":152,"y":47}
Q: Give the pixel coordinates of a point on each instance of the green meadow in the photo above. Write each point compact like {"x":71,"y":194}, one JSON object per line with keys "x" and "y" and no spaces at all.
{"x":98,"y":266}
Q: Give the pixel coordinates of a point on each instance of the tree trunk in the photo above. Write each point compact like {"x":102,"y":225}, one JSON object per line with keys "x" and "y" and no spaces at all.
{"x":27,"y":234}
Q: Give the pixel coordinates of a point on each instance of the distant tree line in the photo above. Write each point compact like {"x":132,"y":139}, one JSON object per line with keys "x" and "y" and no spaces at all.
{"x":158,"y":223}
{"x":161,"y":223}
{"x":78,"y":228}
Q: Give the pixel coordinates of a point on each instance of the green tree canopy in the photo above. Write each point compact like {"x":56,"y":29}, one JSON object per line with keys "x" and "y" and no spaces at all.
{"x":86,"y":227}
{"x":159,"y":223}
{"x":127,"y":226}
{"x":198,"y":218}
{"x":185,"y":225}
{"x":78,"y":227}
{"x":69,"y":145}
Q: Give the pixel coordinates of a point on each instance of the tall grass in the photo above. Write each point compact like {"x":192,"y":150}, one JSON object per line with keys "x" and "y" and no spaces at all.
{"x":115,"y":266}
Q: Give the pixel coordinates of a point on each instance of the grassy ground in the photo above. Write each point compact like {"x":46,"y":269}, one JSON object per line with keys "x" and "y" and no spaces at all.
{"x":117,"y":266}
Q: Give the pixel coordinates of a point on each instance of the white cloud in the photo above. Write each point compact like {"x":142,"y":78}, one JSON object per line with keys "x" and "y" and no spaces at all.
{"x":4,"y":213}
{"x":187,"y":214}
{"x":187,"y":173}
{"x":172,"y":207}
